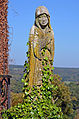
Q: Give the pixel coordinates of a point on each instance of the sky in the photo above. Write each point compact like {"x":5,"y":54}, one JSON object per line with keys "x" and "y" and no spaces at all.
{"x":64,"y":19}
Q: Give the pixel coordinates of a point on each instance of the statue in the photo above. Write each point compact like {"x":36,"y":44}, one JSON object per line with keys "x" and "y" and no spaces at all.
{"x":41,"y":35}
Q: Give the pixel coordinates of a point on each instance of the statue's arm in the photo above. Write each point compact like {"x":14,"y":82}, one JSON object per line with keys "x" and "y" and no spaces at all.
{"x":34,"y":44}
{"x":31,"y":46}
{"x":50,"y":45}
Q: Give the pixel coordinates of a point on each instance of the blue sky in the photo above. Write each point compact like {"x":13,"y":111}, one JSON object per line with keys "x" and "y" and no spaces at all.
{"x":64,"y":21}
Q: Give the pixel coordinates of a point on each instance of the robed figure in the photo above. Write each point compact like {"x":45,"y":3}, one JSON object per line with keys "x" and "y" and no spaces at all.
{"x":41,"y":36}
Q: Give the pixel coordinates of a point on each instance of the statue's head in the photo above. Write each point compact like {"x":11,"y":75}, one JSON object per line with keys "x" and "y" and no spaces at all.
{"x":41,"y":10}
{"x":42,"y":17}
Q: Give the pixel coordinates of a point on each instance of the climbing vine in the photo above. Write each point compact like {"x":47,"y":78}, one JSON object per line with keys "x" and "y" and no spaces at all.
{"x":38,"y":101}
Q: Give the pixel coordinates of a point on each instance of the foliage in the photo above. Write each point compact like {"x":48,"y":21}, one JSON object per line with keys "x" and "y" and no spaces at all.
{"x":16,"y":98}
{"x":74,"y":89}
{"x":63,"y":97}
{"x":70,"y":76}
{"x":77,"y":115}
{"x":38,"y":101}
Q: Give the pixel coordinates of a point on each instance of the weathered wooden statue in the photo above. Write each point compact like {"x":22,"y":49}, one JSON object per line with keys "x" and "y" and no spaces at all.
{"x":41,"y":35}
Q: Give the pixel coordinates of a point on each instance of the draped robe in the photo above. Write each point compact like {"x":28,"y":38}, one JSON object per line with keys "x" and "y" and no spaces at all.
{"x":38,"y":39}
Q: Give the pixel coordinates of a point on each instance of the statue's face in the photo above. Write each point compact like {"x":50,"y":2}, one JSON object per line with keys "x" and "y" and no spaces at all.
{"x":43,"y":20}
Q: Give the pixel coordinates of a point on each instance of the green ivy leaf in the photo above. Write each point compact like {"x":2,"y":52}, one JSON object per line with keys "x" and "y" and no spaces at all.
{"x":46,"y":59}
{"x":27,"y":44}
{"x":52,"y":68}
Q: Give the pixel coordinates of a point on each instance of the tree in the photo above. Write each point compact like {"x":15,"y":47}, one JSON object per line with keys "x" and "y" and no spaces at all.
{"x":62,"y":96}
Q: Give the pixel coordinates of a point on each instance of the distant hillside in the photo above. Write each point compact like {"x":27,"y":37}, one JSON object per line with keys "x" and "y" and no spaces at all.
{"x":68,"y":74}
{"x":16,"y":66}
{"x":16,"y":71}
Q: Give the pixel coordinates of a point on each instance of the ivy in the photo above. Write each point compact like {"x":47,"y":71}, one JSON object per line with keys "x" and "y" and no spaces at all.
{"x":38,"y":101}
